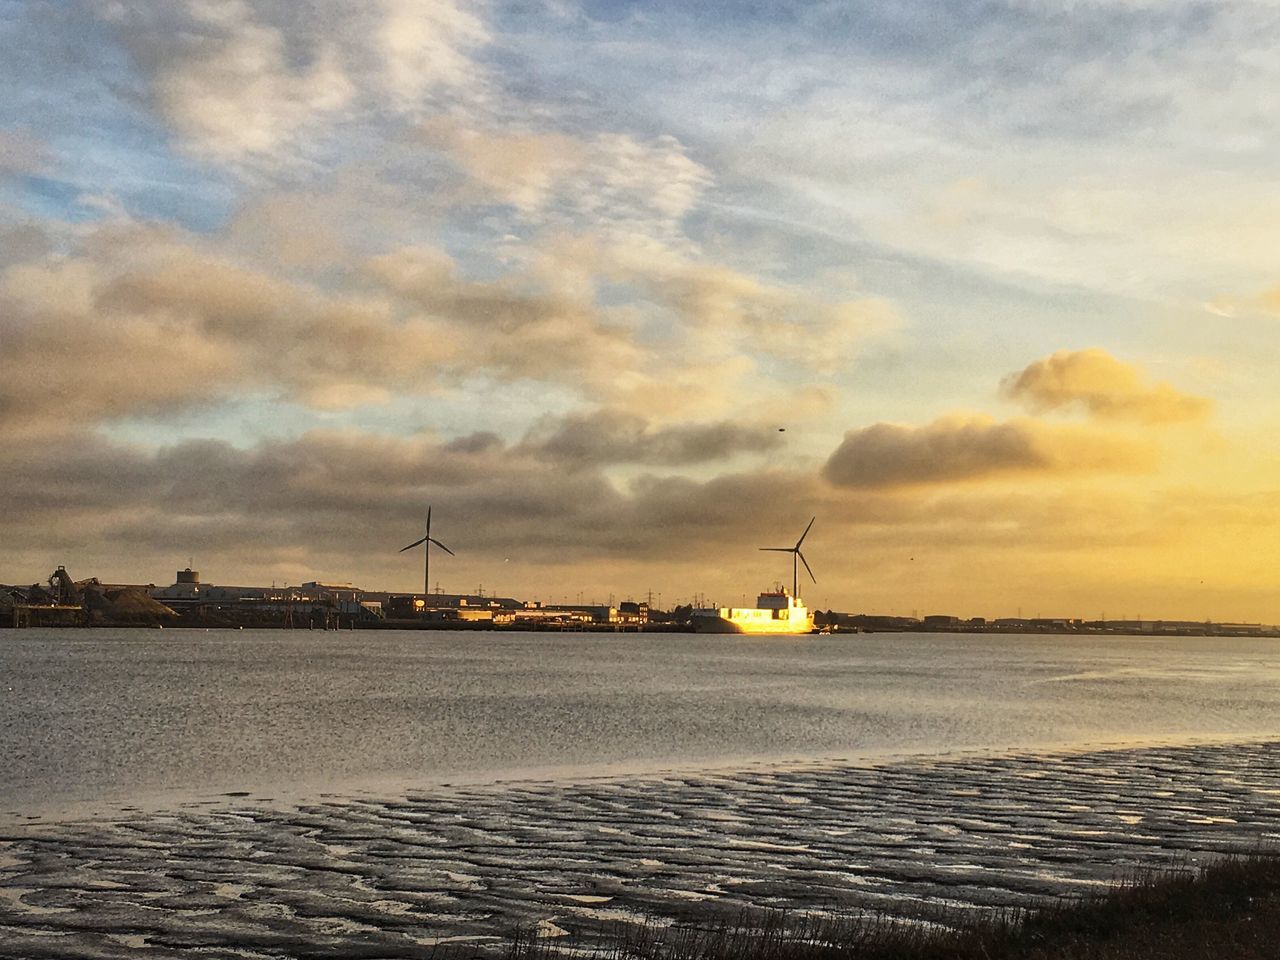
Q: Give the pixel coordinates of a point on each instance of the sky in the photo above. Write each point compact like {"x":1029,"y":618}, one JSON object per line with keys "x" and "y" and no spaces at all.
{"x":625,"y":291}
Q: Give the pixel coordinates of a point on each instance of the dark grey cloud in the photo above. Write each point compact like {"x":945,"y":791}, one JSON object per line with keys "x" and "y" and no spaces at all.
{"x":346,"y":500}
{"x":339,"y":505}
{"x":609,"y":436}
{"x":341,"y":487}
{"x":483,"y":441}
{"x":961,"y":449}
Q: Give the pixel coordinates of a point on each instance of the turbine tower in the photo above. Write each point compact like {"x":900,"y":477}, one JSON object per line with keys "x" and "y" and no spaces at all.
{"x":796,"y":555}
{"x":426,"y":542}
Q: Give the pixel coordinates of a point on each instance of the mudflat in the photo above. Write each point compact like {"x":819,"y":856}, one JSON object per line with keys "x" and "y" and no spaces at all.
{"x":358,"y":876}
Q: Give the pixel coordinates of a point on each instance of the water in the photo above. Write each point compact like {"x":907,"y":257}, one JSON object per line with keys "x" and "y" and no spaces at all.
{"x":121,"y":716}
{"x":269,"y":794}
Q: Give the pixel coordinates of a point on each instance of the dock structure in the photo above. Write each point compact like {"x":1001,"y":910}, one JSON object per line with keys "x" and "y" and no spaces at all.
{"x":47,"y":615}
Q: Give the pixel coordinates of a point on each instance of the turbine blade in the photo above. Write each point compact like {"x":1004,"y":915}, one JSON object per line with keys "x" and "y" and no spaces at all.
{"x":805,"y":534}
{"x":442,"y":546}
{"x":806,"y":566}
{"x":780,"y":549}
{"x":412,"y":545}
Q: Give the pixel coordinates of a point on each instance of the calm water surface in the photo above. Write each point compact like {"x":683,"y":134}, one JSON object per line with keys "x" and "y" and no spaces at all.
{"x":121,"y":715}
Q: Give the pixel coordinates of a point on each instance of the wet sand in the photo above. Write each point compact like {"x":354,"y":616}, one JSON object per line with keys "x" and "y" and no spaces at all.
{"x":244,"y":877}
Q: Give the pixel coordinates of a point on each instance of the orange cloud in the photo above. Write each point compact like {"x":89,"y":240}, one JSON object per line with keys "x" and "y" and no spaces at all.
{"x":1104,"y":387}
{"x":964,"y":448}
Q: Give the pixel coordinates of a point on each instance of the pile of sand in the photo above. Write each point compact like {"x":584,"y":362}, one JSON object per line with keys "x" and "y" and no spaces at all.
{"x":126,"y":605}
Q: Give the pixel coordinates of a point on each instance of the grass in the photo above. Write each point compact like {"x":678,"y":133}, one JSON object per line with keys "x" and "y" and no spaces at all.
{"x":1229,"y":910}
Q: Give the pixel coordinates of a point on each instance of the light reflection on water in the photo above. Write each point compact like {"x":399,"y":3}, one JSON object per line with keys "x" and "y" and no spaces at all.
{"x":118,"y":714}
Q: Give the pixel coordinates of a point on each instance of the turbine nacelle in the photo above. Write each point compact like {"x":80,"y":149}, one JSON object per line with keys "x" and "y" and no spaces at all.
{"x":428,"y":540}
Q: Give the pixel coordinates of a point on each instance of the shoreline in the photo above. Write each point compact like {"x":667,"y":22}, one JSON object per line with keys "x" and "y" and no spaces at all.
{"x":163,"y":800}
{"x":462,"y":626}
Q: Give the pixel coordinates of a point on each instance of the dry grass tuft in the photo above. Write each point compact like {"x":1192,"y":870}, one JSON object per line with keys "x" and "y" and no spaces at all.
{"x":1229,"y":910}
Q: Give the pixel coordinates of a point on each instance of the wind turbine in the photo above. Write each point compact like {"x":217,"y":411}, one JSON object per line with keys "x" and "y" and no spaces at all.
{"x":427,"y":541}
{"x":796,"y":555}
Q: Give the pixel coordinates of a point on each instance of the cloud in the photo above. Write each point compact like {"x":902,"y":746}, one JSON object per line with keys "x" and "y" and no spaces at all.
{"x":227,"y":81}
{"x":524,"y":169}
{"x":629,"y":181}
{"x":1106,"y":102}
{"x":144,"y":322}
{"x":140,"y":321}
{"x":725,"y":309}
{"x":65,"y":362}
{"x":611,"y":183}
{"x":247,"y":80}
{"x":1104,"y":387}
{"x":967,"y":448}
{"x":608,"y":437}
{"x":349,"y":496}
{"x":511,"y":328}
{"x":425,"y":45}
{"x":338,"y":505}
{"x":22,"y":153}
{"x":640,"y":327}
{"x":21,"y":242}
